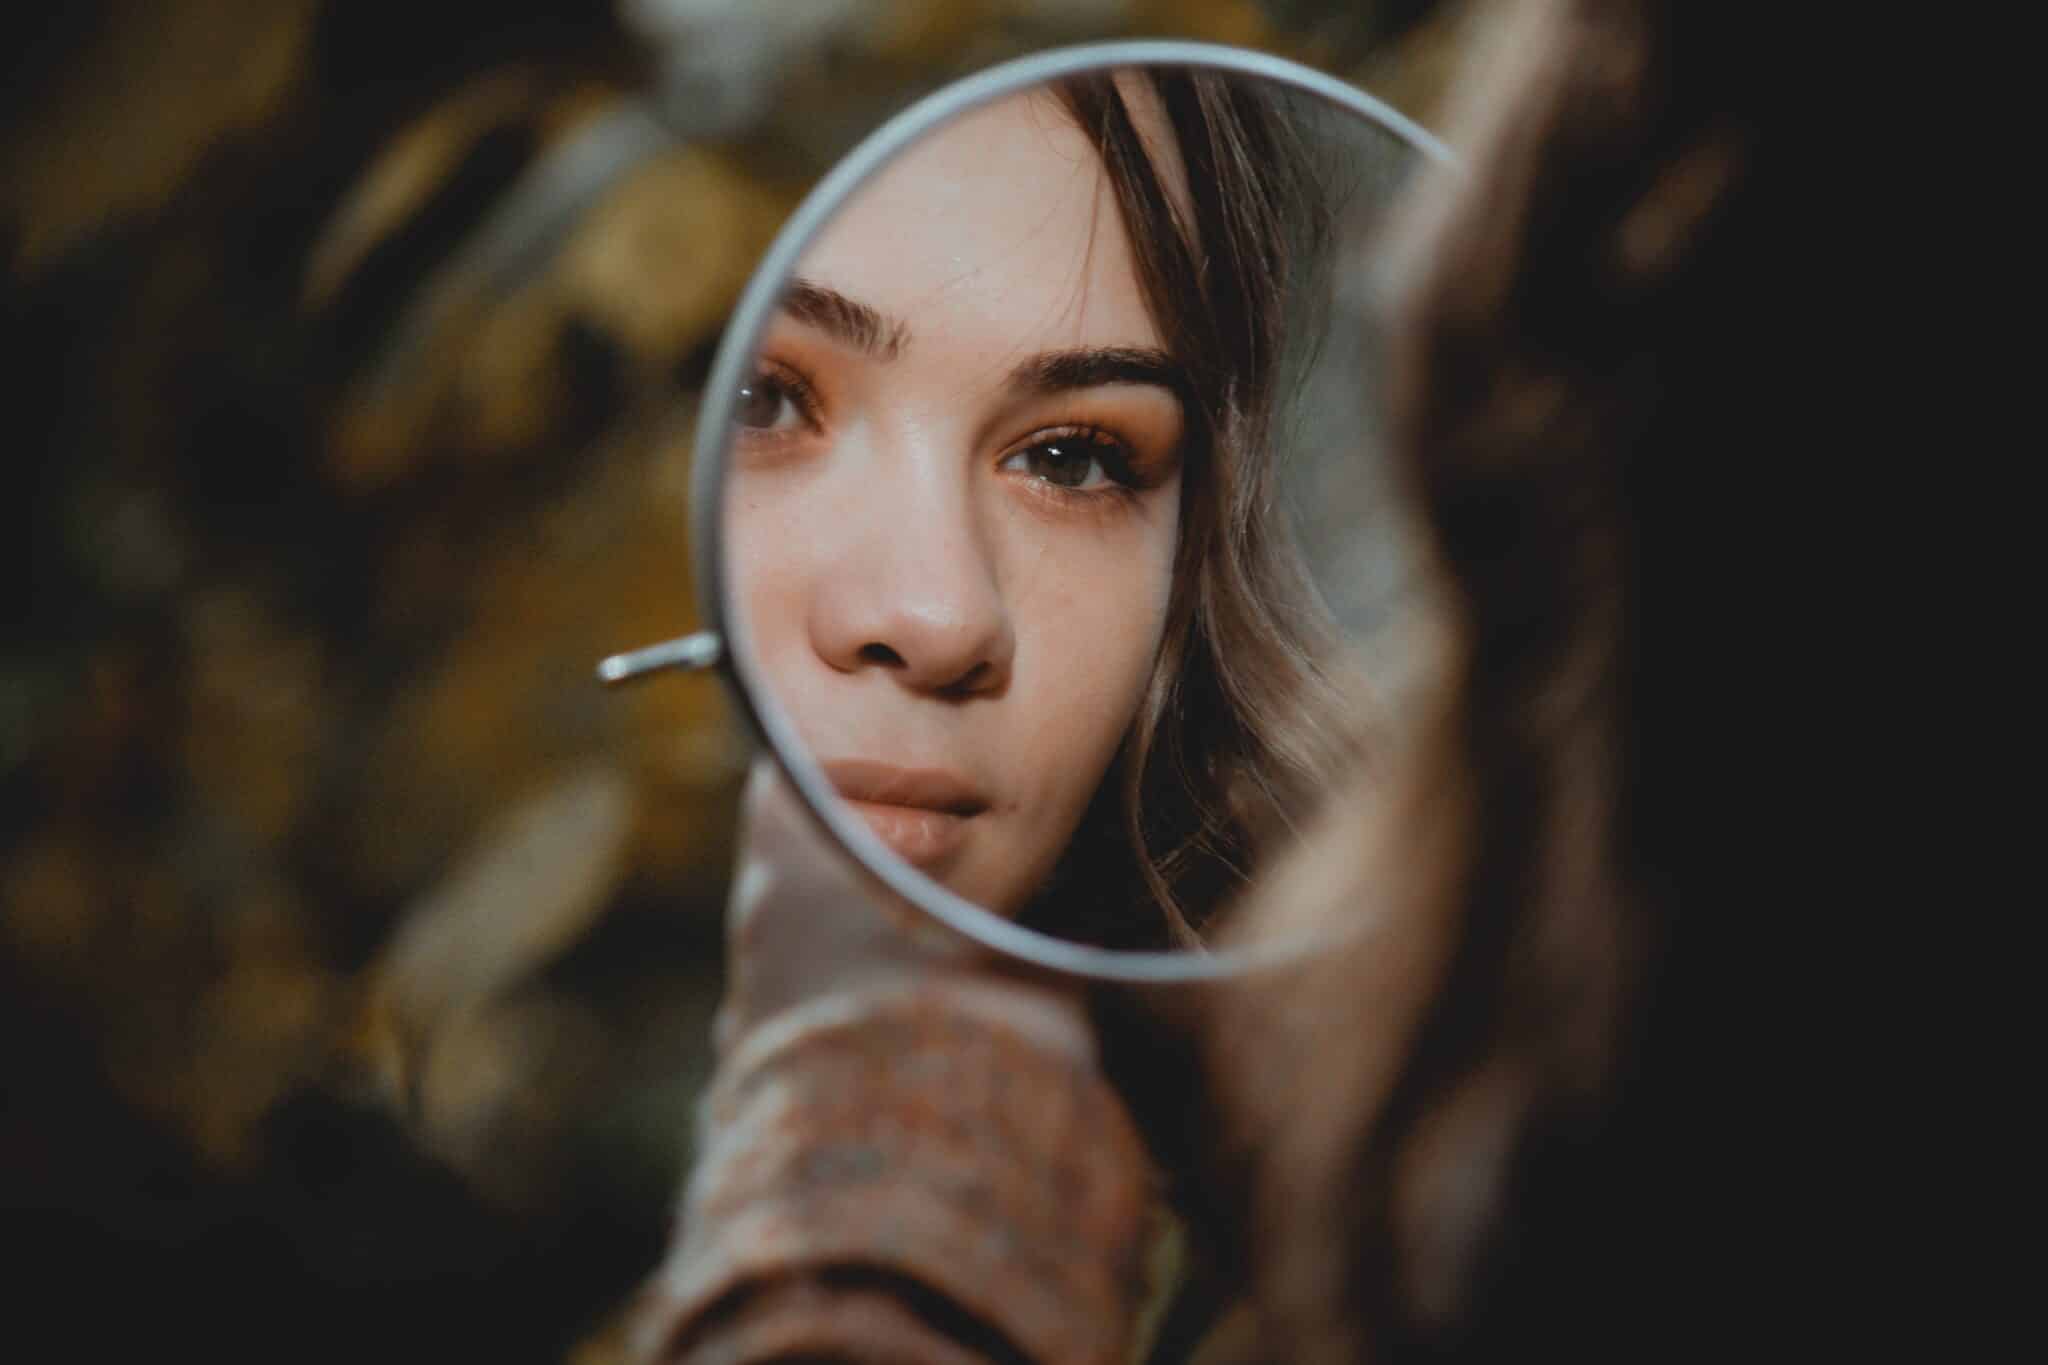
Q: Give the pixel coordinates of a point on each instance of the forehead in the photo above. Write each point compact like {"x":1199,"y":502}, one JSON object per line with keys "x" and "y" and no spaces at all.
{"x":999,"y":228}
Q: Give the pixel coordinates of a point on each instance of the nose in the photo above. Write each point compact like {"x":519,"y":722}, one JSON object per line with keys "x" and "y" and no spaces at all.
{"x":916,"y":597}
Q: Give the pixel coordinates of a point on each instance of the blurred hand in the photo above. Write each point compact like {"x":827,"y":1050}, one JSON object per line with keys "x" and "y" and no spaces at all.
{"x":805,"y":923}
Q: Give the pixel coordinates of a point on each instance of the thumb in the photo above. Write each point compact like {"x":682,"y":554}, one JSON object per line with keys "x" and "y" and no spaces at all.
{"x":803,"y":917}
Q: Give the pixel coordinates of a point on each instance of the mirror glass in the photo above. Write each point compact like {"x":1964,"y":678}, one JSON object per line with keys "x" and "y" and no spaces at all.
{"x":1057,"y":550}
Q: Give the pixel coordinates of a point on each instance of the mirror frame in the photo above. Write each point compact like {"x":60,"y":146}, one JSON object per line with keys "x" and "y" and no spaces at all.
{"x":724,"y":640}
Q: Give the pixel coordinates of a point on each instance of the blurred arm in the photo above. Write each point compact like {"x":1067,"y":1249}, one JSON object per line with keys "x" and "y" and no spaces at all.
{"x":906,"y":1155}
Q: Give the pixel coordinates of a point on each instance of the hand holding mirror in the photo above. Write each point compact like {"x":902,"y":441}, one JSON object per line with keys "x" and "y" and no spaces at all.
{"x":1041,"y":518}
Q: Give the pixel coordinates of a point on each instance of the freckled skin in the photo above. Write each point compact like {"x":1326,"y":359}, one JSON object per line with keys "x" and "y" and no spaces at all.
{"x":917,"y":592}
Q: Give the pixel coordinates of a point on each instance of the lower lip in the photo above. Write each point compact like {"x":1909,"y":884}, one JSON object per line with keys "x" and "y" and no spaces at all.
{"x":919,"y":836}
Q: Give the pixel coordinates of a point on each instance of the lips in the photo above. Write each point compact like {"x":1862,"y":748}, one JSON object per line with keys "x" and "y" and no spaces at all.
{"x":922,"y":814}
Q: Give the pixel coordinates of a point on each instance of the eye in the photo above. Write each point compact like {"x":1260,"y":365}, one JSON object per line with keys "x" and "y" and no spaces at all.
{"x":1080,"y":460}
{"x":771,"y":402}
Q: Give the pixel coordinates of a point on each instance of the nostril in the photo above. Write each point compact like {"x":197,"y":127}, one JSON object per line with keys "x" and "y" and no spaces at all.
{"x":968,"y":681}
{"x":881,"y":654}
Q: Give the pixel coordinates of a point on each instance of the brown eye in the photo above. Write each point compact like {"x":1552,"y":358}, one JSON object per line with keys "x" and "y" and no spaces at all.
{"x":763,"y":403}
{"x":1079,"y":460}
{"x":774,"y":401}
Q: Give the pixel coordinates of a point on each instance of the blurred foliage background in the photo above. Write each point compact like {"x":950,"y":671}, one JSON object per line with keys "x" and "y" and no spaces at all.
{"x":356,"y":951}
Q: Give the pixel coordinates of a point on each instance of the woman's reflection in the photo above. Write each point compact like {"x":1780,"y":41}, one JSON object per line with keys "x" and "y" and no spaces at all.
{"x":1001,"y":518}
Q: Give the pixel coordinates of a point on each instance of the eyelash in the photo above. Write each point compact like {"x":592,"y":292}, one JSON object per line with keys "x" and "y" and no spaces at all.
{"x":791,"y":385}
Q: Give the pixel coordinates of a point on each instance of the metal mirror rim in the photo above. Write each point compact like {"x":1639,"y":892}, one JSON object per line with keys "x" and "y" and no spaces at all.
{"x":709,"y":461}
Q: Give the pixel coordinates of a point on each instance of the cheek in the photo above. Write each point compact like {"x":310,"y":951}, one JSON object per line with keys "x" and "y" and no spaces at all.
{"x":1097,"y":614}
{"x":767,"y":581}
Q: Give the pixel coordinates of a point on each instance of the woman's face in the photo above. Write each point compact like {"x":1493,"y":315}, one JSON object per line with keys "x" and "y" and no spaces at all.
{"x":955,"y":494}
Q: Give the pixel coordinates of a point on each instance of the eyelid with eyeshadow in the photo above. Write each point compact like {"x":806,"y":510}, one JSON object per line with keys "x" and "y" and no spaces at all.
{"x":1126,"y":476}
{"x":1146,"y":433}
{"x":774,"y":443}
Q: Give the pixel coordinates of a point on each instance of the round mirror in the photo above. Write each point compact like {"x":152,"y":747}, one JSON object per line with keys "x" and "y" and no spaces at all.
{"x":1042,"y":513}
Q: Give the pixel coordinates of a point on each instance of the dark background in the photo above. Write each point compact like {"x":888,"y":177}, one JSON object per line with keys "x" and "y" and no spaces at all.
{"x":356,"y":951}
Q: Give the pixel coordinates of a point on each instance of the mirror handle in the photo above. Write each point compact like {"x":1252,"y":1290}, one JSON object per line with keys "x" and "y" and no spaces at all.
{"x":691,"y":653}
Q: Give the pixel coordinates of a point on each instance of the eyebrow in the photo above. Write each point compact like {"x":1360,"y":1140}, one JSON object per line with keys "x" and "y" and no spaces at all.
{"x":1090,"y":367}
{"x":868,"y":329}
{"x":846,"y":320}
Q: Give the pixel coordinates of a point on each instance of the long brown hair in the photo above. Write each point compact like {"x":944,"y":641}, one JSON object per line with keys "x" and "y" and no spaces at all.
{"x":1488,"y":1125}
{"x":1239,"y":721}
